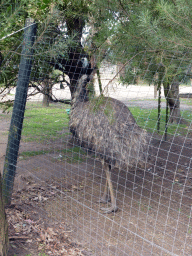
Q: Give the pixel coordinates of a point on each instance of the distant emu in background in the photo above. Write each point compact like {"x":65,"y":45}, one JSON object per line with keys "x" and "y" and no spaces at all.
{"x":106,"y":126}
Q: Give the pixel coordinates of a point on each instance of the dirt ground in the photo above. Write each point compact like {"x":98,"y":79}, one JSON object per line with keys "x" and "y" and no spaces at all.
{"x":55,"y":202}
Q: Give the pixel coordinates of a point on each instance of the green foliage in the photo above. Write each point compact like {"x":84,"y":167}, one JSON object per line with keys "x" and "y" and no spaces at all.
{"x":109,"y":112}
{"x":7,"y":106}
{"x":98,"y":103}
{"x":51,"y":42}
{"x":91,"y":90}
{"x":13,"y":15}
{"x":147,"y":33}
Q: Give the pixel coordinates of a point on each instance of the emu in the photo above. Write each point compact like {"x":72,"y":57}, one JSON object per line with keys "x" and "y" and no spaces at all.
{"x":107,"y":127}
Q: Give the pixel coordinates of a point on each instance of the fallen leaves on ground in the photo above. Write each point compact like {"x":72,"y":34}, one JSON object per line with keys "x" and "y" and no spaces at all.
{"x":27,"y":226}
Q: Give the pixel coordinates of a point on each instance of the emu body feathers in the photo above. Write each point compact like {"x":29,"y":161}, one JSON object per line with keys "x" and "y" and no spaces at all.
{"x":107,"y":128}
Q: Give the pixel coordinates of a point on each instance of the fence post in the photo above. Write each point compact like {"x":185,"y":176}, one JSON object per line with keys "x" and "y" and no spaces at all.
{"x":18,"y":110}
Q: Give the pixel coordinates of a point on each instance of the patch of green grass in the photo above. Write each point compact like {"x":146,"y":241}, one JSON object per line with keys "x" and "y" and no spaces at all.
{"x":33,"y":153}
{"x":6,"y":114}
{"x":72,"y":155}
{"x":47,"y":123}
{"x":147,"y":119}
{"x":186,"y":101}
{"x":43,"y":124}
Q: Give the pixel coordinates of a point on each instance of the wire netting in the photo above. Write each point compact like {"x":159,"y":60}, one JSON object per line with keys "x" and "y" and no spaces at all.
{"x":60,"y":173}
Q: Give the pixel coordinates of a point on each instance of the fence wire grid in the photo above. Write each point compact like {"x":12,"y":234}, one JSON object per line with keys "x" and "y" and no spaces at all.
{"x":112,"y":111}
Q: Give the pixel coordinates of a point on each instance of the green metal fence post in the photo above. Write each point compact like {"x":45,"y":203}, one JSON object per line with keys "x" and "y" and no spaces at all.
{"x":18,"y":110}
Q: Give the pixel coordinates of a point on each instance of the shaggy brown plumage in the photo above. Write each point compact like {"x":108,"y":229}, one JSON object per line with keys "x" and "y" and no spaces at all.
{"x":107,"y":127}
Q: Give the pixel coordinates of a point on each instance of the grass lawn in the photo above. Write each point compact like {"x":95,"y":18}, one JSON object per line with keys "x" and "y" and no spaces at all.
{"x":44,"y":124}
{"x":72,"y":155}
{"x":147,"y":119}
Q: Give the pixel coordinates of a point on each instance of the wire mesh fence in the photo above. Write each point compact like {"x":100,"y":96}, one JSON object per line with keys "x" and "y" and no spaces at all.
{"x":106,"y":149}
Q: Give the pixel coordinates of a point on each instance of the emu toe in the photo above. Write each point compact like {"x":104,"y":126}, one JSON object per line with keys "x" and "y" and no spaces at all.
{"x":104,"y":200}
{"x":111,"y":209}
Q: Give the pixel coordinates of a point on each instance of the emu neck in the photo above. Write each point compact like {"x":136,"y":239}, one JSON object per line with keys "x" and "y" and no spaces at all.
{"x":81,"y":93}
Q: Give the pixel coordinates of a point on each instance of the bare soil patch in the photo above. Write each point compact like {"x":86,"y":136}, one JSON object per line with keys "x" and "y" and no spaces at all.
{"x":154,"y":216}
{"x":31,"y":230}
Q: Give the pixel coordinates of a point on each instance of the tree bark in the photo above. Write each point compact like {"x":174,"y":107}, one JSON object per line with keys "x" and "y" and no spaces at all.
{"x":4,"y":240}
{"x":46,"y":92}
{"x":99,"y":81}
{"x":172,"y":94}
{"x":159,"y":106}
{"x":160,"y":75}
{"x":155,"y":91}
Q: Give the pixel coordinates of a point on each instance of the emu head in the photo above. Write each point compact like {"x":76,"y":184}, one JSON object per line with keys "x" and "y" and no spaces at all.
{"x":84,"y":66}
{"x":84,"y":77}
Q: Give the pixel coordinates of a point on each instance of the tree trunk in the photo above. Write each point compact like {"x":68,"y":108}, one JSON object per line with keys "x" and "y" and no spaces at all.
{"x":46,"y":92}
{"x":166,"y":119}
{"x":172,"y":95}
{"x":45,"y":102}
{"x":159,"y":106}
{"x":4,"y":240}
{"x":155,"y":91}
{"x":99,"y":81}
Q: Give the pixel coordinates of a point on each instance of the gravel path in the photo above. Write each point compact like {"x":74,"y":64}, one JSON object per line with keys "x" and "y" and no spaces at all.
{"x":152,"y":104}
{"x":133,"y":95}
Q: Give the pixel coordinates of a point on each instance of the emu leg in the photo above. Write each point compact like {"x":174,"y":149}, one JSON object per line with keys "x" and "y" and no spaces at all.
{"x":113,"y":207}
{"x":105,"y":198}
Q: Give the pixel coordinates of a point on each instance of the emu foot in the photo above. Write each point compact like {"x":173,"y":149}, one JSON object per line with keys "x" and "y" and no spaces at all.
{"x":113,"y":208}
{"x":104,"y":200}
